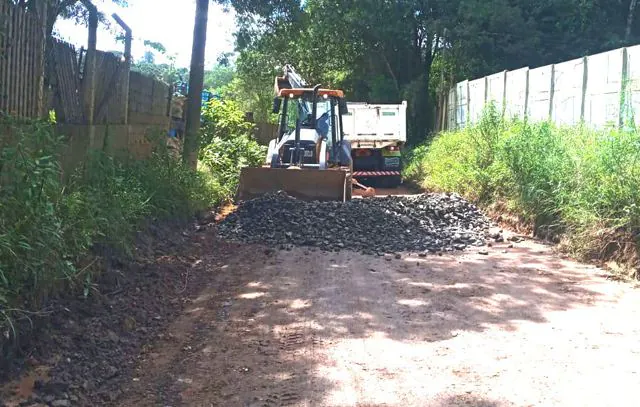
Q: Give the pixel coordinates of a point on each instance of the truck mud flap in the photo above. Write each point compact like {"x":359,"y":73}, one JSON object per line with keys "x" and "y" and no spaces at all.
{"x":309,"y":185}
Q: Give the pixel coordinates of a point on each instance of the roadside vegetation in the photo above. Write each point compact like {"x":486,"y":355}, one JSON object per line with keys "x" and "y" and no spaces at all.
{"x":227,"y":145}
{"x":572,"y":184}
{"x":569,"y":182}
{"x":54,"y":227}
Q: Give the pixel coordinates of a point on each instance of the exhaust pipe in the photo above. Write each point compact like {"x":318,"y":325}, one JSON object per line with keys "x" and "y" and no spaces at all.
{"x":314,"y":110}
{"x":296,"y":157}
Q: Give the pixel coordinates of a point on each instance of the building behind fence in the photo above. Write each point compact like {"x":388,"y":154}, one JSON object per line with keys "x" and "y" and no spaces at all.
{"x":599,"y":90}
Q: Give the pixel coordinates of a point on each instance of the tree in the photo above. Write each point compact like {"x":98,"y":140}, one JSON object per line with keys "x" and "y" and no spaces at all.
{"x":219,"y":77}
{"x":167,"y":72}
{"x":377,"y":50}
{"x":67,"y":9}
{"x":390,"y":50}
{"x":196,"y":84}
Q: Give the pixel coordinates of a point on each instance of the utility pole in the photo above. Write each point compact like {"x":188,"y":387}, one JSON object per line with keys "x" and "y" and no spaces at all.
{"x":196,"y":84}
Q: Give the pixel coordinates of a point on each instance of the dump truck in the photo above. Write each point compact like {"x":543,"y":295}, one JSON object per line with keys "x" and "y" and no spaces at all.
{"x":310,"y":158}
{"x":377,"y":134}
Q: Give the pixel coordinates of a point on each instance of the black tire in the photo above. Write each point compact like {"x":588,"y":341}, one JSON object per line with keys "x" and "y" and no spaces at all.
{"x":275,"y":160}
{"x":393,"y":181}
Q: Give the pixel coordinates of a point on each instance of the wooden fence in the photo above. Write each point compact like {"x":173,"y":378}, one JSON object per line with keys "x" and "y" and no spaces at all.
{"x":99,"y":103}
{"x":110,"y":72}
{"x":66,"y":80}
{"x":22,"y":48}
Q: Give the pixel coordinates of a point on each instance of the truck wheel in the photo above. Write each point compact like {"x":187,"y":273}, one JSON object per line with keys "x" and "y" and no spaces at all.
{"x":391,"y":182}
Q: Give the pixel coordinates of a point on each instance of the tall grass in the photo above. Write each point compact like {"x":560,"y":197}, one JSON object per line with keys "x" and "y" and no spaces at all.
{"x":227,"y":144}
{"x":50,"y":228}
{"x":584,"y":182}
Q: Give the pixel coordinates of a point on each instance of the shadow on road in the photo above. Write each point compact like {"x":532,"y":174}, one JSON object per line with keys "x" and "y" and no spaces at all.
{"x":307,"y":328}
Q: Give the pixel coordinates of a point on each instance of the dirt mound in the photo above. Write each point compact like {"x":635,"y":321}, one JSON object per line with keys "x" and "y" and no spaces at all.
{"x":423,"y":223}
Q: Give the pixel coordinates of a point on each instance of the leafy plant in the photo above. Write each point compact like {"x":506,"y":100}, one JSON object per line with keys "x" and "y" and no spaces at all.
{"x":49,"y":228}
{"x":227,"y":145}
{"x":579,"y":181}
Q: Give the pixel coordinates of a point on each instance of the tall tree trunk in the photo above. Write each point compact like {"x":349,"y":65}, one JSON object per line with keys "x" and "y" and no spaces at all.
{"x":396,"y":84}
{"x":422,"y":107}
{"x":196,"y":84}
{"x":423,"y":110}
{"x":632,"y":9}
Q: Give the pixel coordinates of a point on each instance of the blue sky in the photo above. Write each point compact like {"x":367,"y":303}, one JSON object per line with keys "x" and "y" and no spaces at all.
{"x":159,"y":21}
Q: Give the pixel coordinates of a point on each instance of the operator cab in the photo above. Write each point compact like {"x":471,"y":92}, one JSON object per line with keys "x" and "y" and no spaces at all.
{"x":310,"y":131}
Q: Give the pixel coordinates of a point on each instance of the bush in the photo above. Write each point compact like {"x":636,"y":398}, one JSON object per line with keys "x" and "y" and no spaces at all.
{"x":581,"y":180}
{"x":227,"y":145}
{"x":48,"y":228}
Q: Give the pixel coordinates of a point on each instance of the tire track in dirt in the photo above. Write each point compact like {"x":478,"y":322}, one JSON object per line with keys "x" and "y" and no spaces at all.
{"x":305,"y":328}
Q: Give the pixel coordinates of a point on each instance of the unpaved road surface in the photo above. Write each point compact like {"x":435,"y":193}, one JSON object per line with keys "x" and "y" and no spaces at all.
{"x":306,"y":328}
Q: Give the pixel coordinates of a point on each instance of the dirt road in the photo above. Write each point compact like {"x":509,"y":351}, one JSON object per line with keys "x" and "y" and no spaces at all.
{"x":305,"y":328}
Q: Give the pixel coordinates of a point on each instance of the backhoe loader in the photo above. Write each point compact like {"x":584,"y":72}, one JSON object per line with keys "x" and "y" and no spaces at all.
{"x":309,"y":159}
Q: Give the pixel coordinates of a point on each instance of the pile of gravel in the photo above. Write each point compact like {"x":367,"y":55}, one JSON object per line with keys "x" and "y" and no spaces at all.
{"x":421,"y":223}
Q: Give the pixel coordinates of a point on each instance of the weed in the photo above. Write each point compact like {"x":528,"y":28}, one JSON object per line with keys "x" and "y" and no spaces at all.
{"x":227,"y":145}
{"x":580,"y":181}
{"x":50,"y":224}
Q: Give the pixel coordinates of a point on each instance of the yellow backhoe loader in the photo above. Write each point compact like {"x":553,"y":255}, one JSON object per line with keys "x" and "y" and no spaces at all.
{"x":310,"y":158}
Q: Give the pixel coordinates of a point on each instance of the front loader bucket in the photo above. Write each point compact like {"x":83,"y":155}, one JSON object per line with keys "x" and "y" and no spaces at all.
{"x":305,"y":184}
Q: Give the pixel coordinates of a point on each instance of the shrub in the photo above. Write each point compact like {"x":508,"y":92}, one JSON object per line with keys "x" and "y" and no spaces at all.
{"x":227,"y":145}
{"x":48,"y":228}
{"x":467,"y":161}
{"x":33,"y":250}
{"x":582,"y":180}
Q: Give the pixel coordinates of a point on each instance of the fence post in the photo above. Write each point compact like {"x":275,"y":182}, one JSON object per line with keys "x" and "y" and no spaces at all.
{"x":552,"y":91}
{"x":486,"y":91}
{"x":447,"y":113}
{"x":585,"y":79}
{"x":468,"y":115}
{"x":525,"y":114}
{"x":127,"y":66}
{"x":623,"y":88}
{"x":504,"y":92}
{"x":89,"y":77}
{"x":455,"y":105}
{"x":443,"y":113}
{"x":443,"y":124}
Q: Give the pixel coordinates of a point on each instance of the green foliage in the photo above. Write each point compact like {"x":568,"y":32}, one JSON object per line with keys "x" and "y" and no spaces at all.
{"x":385,"y":51}
{"x":218,"y":77}
{"x":227,"y":145}
{"x":223,"y":119}
{"x":69,"y":10}
{"x":166,"y":72}
{"x":156,"y":46}
{"x":581,"y":181}
{"x":48,"y":227}
{"x":367,"y":48}
{"x":31,"y":227}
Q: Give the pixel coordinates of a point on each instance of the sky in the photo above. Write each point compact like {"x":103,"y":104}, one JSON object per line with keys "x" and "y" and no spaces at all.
{"x":159,"y":21}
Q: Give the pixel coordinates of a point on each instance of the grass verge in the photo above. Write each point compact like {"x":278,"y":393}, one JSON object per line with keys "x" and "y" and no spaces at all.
{"x":573,"y":184}
{"x":51,"y":230}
